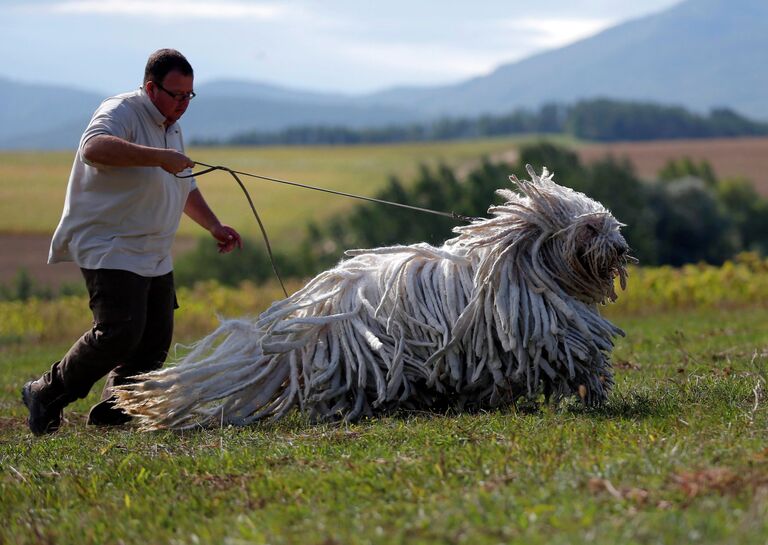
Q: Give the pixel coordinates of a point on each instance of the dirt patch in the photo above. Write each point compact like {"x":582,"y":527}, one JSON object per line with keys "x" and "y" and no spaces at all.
{"x":30,"y":252}
{"x":12,"y":423}
{"x":729,"y":157}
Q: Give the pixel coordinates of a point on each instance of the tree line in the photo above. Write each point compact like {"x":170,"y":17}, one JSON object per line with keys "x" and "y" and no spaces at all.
{"x":687,"y":215}
{"x":599,"y":120}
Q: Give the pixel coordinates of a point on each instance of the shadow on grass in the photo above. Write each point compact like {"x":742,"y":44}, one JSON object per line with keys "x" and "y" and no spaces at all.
{"x":655,"y":400}
{"x":622,"y":405}
{"x":631,"y":405}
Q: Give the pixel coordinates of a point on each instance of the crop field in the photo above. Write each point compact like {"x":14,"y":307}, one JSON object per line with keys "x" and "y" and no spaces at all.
{"x":678,"y":454}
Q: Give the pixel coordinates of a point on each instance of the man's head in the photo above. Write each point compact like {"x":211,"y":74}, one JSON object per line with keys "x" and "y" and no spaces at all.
{"x":168,"y":81}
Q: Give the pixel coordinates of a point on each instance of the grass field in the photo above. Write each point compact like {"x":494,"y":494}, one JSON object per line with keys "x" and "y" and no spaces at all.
{"x":678,"y":455}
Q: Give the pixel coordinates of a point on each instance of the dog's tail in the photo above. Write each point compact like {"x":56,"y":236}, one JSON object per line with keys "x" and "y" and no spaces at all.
{"x":226,"y":378}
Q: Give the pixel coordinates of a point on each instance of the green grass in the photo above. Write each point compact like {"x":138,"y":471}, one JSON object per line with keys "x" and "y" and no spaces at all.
{"x":40,"y":180}
{"x":678,"y":455}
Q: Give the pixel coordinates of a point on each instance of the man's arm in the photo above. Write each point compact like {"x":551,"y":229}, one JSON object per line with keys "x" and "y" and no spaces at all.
{"x":197,"y":209}
{"x":115,"y":152}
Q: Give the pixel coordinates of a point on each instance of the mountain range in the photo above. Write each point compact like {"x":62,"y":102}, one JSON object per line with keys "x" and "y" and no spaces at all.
{"x":699,"y":54}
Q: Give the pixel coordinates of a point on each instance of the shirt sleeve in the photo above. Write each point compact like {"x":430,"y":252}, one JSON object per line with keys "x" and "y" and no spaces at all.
{"x":113,"y":118}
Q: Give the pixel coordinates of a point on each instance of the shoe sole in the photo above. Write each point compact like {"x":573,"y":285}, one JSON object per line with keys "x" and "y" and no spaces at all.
{"x":26,"y":400}
{"x":25,"y":394}
{"x":25,"y":397}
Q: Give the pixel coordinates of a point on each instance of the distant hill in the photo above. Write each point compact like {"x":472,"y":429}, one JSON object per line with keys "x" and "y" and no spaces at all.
{"x":43,"y":116}
{"x":48,"y":117}
{"x":233,"y":107}
{"x":699,"y":54}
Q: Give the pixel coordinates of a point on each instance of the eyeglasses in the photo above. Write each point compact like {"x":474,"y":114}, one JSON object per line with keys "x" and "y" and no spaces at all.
{"x":178,"y":97}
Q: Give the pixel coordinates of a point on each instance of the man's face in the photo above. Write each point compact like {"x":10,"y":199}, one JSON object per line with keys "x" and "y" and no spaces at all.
{"x":165,"y":96}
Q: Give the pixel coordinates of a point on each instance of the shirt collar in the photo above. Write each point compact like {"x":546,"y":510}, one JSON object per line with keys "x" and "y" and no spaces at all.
{"x":154,"y":113}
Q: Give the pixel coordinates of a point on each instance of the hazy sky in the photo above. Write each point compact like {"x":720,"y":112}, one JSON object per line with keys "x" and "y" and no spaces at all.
{"x":350,"y":46}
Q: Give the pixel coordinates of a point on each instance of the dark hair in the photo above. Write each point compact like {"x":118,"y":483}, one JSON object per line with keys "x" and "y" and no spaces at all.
{"x":163,"y":61}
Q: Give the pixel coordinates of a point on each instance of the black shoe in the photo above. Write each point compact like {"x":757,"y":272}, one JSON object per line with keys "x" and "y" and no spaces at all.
{"x":106,"y":414}
{"x":44,"y":417}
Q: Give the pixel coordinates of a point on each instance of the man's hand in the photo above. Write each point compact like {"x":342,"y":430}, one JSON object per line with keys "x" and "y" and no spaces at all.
{"x":226,"y":237}
{"x":174,"y":162}
{"x":197,"y":209}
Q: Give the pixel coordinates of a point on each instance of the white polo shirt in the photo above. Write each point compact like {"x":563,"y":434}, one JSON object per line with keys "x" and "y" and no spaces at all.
{"x":123,"y":217}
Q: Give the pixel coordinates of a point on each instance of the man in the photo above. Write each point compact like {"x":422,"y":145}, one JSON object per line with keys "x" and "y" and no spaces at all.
{"x":121,"y":213}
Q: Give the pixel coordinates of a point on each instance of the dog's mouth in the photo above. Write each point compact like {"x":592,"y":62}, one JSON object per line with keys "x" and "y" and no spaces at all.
{"x":622,"y":260}
{"x":605,"y":267}
{"x":619,"y":270}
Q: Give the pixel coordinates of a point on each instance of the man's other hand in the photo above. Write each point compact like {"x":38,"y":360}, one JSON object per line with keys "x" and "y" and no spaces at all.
{"x":226,"y":238}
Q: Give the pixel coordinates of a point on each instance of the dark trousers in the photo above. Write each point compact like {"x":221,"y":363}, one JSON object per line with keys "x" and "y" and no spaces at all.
{"x":131,"y":334}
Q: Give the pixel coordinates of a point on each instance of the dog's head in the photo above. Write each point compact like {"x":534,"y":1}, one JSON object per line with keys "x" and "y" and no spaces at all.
{"x":569,"y":239}
{"x":596,"y":253}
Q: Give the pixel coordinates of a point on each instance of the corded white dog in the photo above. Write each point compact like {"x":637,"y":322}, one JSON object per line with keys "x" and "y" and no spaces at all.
{"x":506,"y":309}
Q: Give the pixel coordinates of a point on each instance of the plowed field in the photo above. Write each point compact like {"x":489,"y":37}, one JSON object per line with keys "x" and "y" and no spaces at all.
{"x":745,"y":157}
